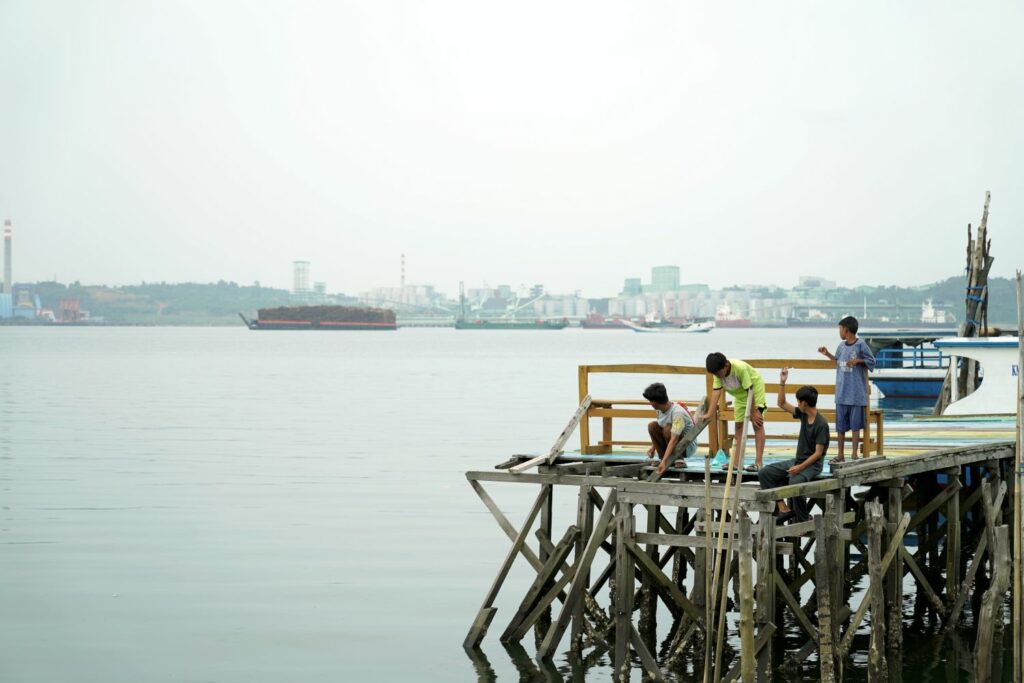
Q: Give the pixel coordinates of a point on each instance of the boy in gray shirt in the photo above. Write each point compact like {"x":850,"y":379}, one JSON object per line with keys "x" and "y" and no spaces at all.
{"x":667,"y":431}
{"x":853,"y":359}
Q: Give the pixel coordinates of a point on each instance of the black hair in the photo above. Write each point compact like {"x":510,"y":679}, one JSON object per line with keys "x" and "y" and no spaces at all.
{"x":808,"y":395}
{"x":850,"y":323}
{"x":656,"y":393}
{"x":715,"y":362}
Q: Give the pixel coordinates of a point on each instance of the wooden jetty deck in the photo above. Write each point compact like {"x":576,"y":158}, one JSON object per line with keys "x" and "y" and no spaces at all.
{"x":682,"y":541}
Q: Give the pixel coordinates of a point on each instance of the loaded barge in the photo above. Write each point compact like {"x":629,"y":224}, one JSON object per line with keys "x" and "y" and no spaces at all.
{"x":347,"y":318}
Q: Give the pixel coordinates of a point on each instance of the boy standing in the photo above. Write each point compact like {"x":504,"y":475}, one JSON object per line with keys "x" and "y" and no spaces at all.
{"x":737,"y":378}
{"x":811,"y":447}
{"x":667,"y":431}
{"x":853,"y":359}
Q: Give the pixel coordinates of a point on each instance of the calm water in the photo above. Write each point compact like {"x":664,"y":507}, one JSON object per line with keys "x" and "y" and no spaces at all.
{"x":196,"y":505}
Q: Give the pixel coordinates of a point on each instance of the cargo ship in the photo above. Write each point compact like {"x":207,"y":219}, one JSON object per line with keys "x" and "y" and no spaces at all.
{"x":337,"y":318}
{"x":510,"y":324}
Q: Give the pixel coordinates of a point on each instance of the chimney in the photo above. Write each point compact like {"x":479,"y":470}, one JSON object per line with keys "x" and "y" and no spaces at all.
{"x":7,"y":257}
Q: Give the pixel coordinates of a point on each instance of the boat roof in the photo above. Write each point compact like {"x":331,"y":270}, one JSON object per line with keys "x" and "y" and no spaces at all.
{"x":910,"y":335}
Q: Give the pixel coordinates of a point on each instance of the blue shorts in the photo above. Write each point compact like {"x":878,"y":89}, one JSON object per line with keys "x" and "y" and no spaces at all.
{"x":849,"y":418}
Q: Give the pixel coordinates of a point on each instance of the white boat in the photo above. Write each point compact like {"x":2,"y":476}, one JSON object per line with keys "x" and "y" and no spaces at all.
{"x":999,"y":358}
{"x":688,"y":328}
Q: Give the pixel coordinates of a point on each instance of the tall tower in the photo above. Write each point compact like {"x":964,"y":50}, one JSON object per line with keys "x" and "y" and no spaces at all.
{"x":7,"y":257}
{"x":300,"y":277}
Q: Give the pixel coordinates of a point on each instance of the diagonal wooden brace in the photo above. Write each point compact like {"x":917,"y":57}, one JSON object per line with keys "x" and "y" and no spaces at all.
{"x":601,"y":530}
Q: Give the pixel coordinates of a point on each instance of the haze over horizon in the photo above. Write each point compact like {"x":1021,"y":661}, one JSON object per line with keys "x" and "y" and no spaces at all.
{"x":571,"y":144}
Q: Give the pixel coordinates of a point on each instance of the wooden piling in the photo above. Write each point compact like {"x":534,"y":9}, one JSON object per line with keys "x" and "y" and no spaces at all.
{"x":747,"y":652}
{"x":894,"y":581}
{"x":877,"y":672}
{"x":823,"y":588}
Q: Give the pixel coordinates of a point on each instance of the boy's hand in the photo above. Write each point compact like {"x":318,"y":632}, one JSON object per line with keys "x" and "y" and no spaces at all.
{"x":795,"y":469}
{"x":756,"y":418}
{"x":784,"y":375}
{"x":853,"y":362}
{"x":823,"y":350}
{"x":662,"y":466}
{"x":650,"y":452}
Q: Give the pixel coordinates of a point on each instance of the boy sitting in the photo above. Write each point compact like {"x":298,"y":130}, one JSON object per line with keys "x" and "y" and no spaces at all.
{"x":667,"y":431}
{"x":810,"y":449}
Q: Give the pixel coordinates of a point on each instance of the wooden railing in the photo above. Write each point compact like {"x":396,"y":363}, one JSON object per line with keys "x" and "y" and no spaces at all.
{"x":719,"y":433}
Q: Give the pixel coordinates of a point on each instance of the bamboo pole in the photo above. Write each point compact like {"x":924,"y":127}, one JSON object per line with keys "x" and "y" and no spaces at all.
{"x":727,"y":558}
{"x":1018,"y":491}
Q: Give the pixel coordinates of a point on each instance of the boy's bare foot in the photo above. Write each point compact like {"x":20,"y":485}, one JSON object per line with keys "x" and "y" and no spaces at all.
{"x":838,"y":460}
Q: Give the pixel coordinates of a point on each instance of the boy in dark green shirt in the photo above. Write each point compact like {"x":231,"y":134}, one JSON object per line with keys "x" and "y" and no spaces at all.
{"x":811,"y":446}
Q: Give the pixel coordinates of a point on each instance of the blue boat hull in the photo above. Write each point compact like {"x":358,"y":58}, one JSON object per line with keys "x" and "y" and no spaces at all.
{"x":924,"y":387}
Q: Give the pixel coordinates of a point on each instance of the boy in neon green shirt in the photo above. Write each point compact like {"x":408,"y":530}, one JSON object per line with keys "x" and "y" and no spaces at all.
{"x":737,"y":378}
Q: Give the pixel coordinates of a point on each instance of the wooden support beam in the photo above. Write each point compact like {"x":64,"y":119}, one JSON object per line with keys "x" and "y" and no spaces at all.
{"x":479,"y":628}
{"x":650,"y":568}
{"x":979,"y":553}
{"x":585,"y":523}
{"x":794,"y":605}
{"x":622,"y":608}
{"x":923,"y":583}
{"x":648,"y":661}
{"x":546,"y":574}
{"x":557,"y":630}
{"x":894,"y":582}
{"x":891,"y":553}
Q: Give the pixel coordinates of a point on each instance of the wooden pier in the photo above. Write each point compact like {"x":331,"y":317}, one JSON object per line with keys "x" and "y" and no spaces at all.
{"x":702,"y":548}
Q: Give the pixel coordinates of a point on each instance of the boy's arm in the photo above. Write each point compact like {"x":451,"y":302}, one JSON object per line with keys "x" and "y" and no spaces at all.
{"x":867,"y":358}
{"x":819,"y":450}
{"x":712,"y":405}
{"x":669,"y":450}
{"x":781,"y":399}
{"x":823,"y":350}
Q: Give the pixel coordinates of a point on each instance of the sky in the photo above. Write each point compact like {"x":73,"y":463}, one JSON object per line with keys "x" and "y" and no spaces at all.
{"x":572,"y":144}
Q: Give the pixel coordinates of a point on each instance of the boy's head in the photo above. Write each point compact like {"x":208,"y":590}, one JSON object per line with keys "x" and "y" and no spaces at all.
{"x":717,"y":364}
{"x":657,"y":394}
{"x":848,"y":327}
{"x":807,"y":397}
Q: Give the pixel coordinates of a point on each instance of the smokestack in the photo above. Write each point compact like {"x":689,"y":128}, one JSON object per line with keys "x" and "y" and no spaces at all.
{"x":7,"y":257}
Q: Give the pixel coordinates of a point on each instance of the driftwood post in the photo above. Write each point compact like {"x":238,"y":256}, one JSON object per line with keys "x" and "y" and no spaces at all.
{"x":877,"y":672}
{"x":975,"y":324}
{"x":991,"y":604}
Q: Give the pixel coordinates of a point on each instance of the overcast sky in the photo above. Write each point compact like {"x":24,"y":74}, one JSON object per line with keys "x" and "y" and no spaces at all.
{"x":568,"y":143}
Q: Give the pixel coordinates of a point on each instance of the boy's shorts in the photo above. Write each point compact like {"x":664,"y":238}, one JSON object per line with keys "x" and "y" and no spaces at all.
{"x":849,"y":418}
